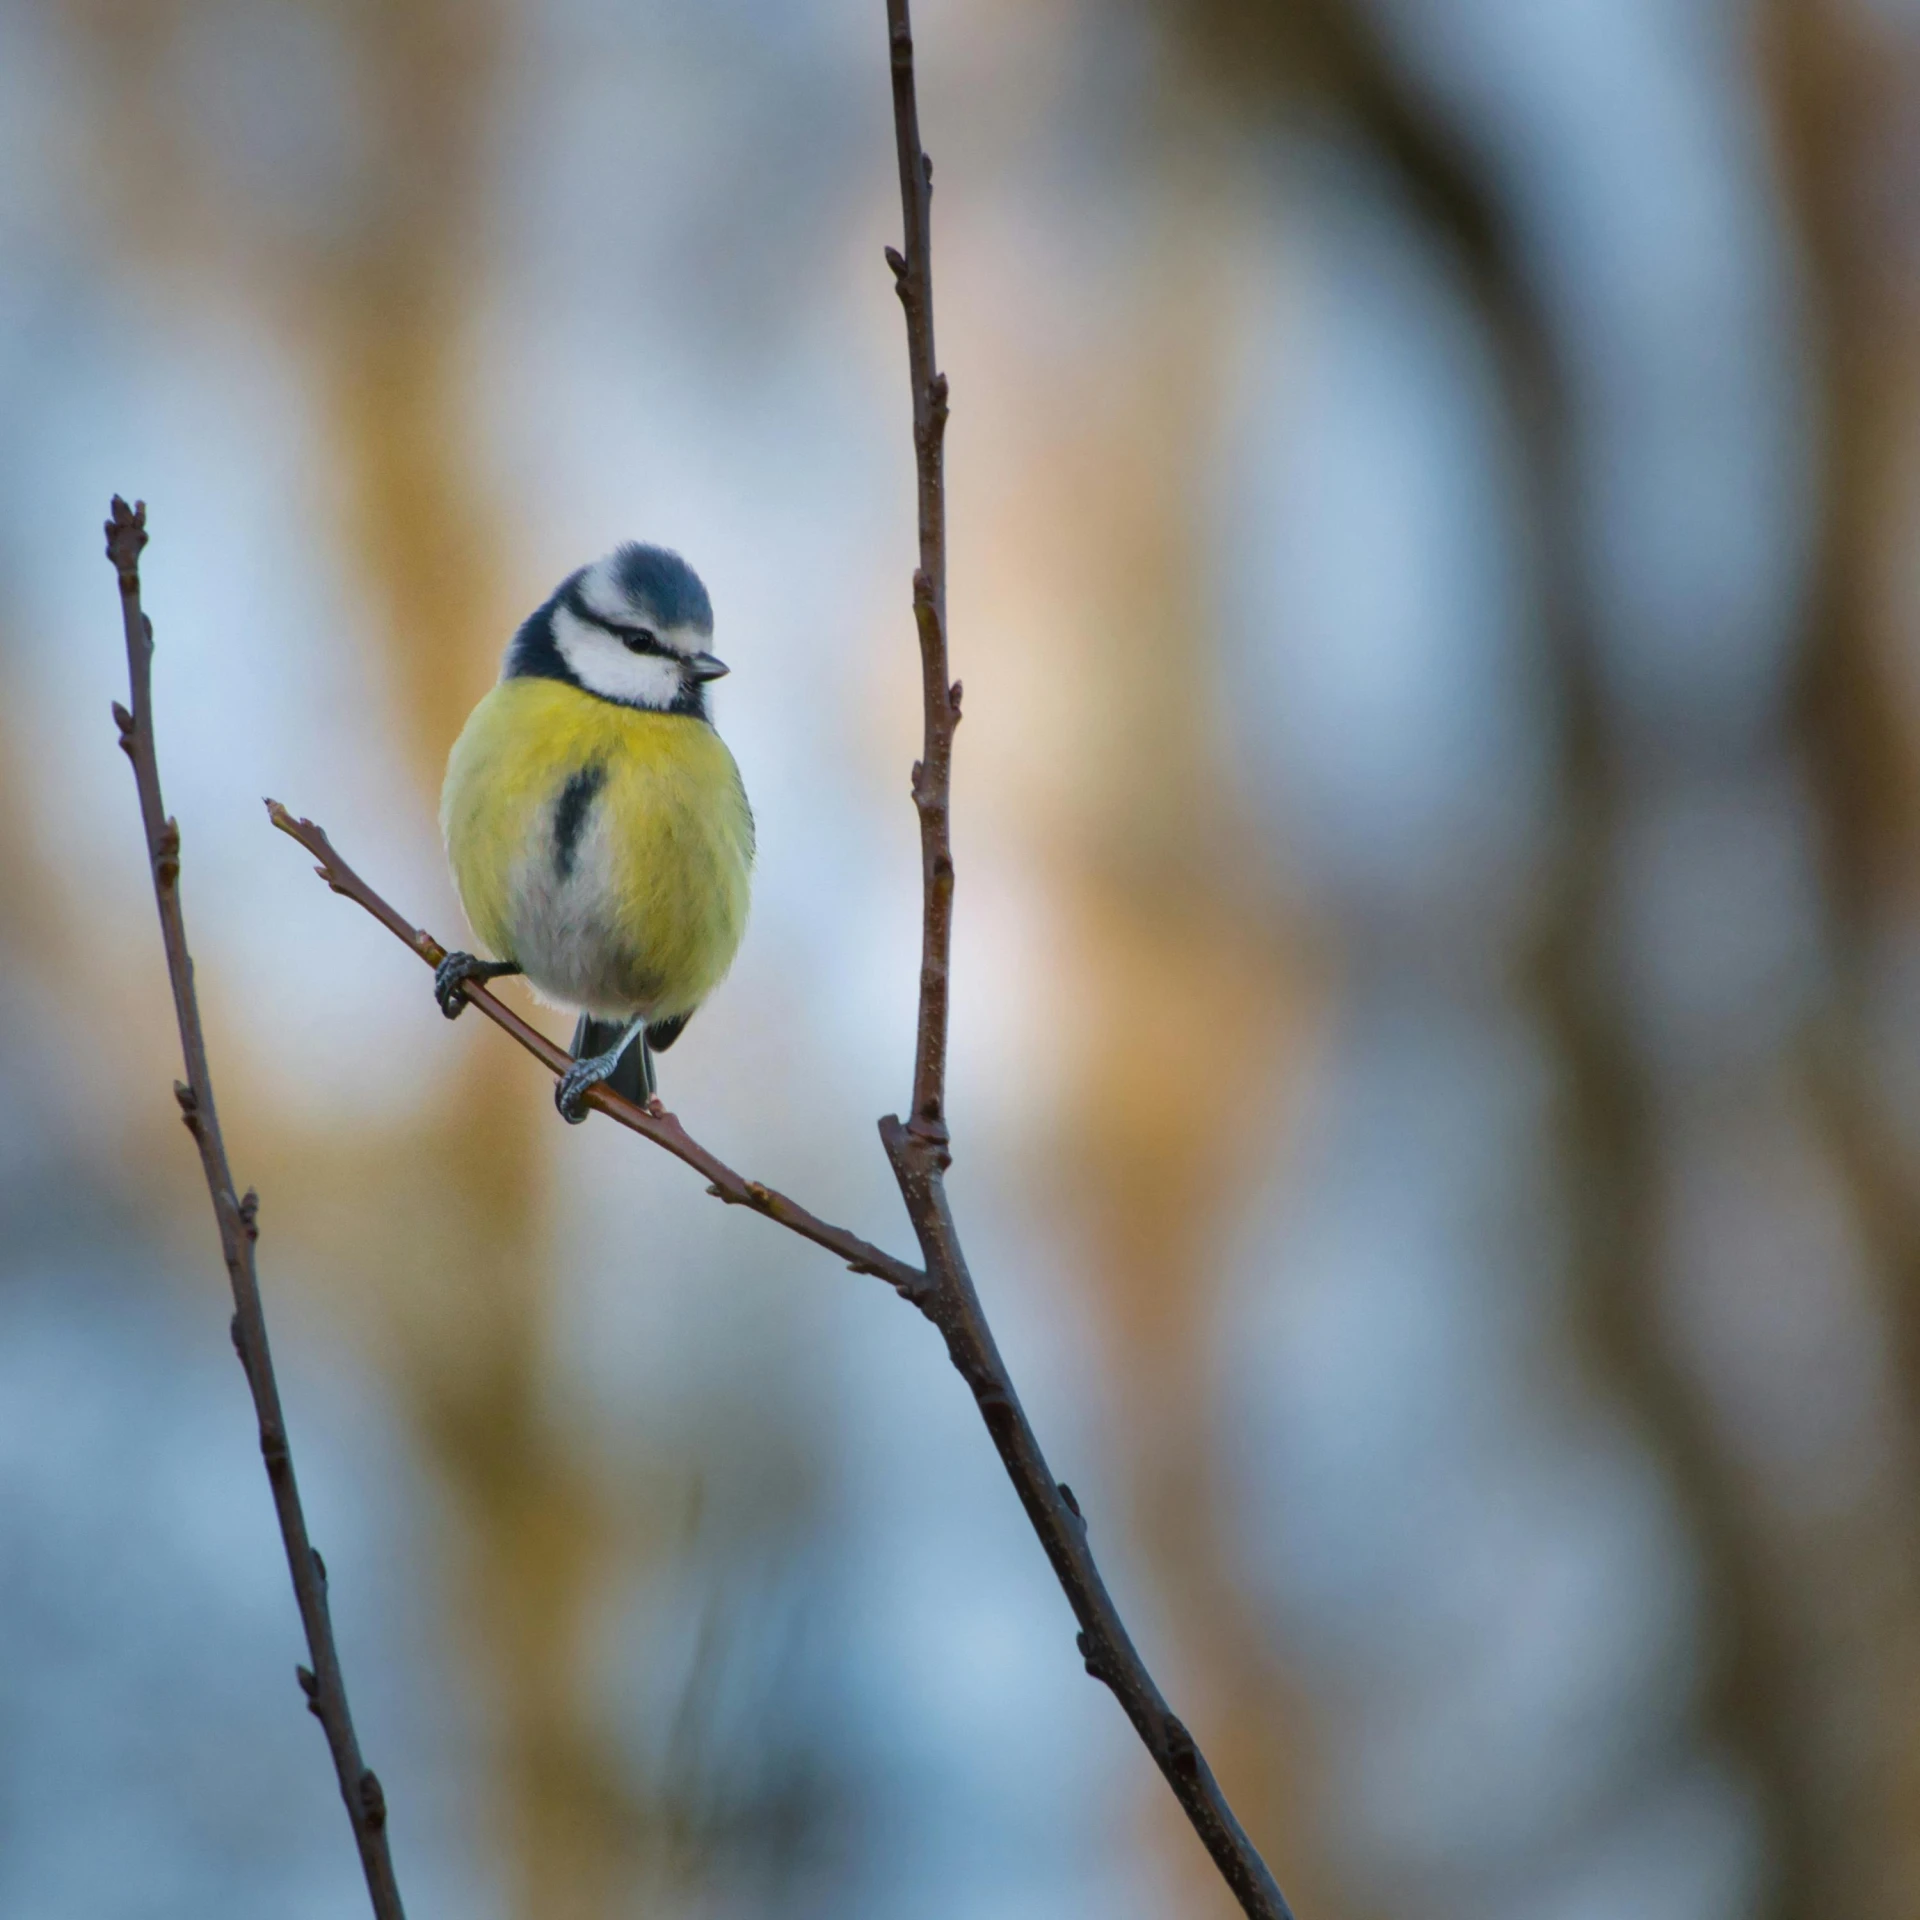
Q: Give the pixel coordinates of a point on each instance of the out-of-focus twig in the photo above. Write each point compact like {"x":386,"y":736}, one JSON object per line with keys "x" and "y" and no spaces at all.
{"x":1841,"y":84}
{"x":236,"y":1215}
{"x":919,"y":1149}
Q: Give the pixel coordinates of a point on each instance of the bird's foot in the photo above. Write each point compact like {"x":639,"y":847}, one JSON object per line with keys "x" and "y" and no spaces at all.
{"x":456,"y":970}
{"x":578,"y":1081}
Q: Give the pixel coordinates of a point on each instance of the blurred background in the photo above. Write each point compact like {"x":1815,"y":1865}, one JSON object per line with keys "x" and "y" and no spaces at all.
{"x":1435,"y":1058}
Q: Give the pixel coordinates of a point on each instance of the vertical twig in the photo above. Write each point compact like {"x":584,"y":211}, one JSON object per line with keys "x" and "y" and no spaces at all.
{"x":932,"y":772}
{"x":323,"y":1683}
{"x":918,"y":1150}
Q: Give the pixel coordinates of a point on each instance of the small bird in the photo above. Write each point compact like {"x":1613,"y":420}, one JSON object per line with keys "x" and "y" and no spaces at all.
{"x":597,"y":827}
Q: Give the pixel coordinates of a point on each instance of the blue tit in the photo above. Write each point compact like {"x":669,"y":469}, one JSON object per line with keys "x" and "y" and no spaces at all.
{"x":596,"y":824}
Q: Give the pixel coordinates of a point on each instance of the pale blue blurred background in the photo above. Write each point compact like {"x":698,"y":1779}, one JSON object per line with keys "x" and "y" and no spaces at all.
{"x":1438,"y":964}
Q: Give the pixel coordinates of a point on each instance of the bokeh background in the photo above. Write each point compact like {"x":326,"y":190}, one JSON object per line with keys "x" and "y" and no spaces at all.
{"x":1435,"y":1073}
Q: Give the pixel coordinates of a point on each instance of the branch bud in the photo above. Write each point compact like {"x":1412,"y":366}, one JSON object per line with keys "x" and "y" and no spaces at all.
{"x":1094,"y":1661}
{"x":126,"y":531}
{"x":166,"y":855}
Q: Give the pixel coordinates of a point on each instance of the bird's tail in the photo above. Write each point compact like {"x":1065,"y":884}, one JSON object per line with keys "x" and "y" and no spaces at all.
{"x":632,"y":1079}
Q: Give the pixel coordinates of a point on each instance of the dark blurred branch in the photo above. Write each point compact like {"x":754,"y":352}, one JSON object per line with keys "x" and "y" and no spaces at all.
{"x":918,"y":1150}
{"x":1609,"y":1123}
{"x":1838,"y":89}
{"x":324,"y":1685}
{"x":1333,"y":55}
{"x":652,"y":1122}
{"x":1842,"y":84}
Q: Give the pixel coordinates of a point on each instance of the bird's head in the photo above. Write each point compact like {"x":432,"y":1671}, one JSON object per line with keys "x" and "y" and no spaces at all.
{"x":631,"y":628}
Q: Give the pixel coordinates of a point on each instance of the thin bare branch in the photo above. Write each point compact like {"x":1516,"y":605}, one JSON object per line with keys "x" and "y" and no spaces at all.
{"x":919,"y":1150}
{"x":237,"y":1216}
{"x":651,"y":1122}
{"x":1105,"y":1645}
{"x":932,"y":773}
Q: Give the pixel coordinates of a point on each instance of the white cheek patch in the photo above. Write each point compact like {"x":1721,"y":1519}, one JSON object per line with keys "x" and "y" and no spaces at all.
{"x":602,"y":665}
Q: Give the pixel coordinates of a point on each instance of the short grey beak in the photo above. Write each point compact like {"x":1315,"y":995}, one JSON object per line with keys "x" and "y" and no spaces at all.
{"x":703,"y":666}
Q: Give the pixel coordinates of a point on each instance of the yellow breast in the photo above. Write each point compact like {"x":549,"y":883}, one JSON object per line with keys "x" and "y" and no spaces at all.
{"x":605,"y":848}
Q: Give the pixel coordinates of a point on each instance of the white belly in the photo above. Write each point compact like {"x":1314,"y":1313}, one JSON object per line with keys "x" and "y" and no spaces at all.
{"x":568,"y":931}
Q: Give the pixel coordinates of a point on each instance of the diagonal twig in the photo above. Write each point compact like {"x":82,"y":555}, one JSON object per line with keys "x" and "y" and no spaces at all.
{"x":236,"y":1215}
{"x":919,"y":1149}
{"x":651,"y":1122}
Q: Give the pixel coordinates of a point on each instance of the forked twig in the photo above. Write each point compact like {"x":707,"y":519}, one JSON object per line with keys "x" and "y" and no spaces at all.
{"x":918,"y":1150}
{"x":237,"y":1217}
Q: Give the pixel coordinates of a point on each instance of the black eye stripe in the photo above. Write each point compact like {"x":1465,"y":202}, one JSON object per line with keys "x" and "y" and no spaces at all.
{"x":634,"y":639}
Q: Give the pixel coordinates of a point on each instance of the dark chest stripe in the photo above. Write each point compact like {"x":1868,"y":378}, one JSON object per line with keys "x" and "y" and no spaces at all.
{"x":570,"y":814}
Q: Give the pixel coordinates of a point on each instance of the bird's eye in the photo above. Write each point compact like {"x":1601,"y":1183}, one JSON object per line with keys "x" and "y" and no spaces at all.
{"x":639,"y":640}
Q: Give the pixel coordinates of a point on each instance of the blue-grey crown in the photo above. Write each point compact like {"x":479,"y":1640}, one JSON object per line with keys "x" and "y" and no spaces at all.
{"x":661,"y":582}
